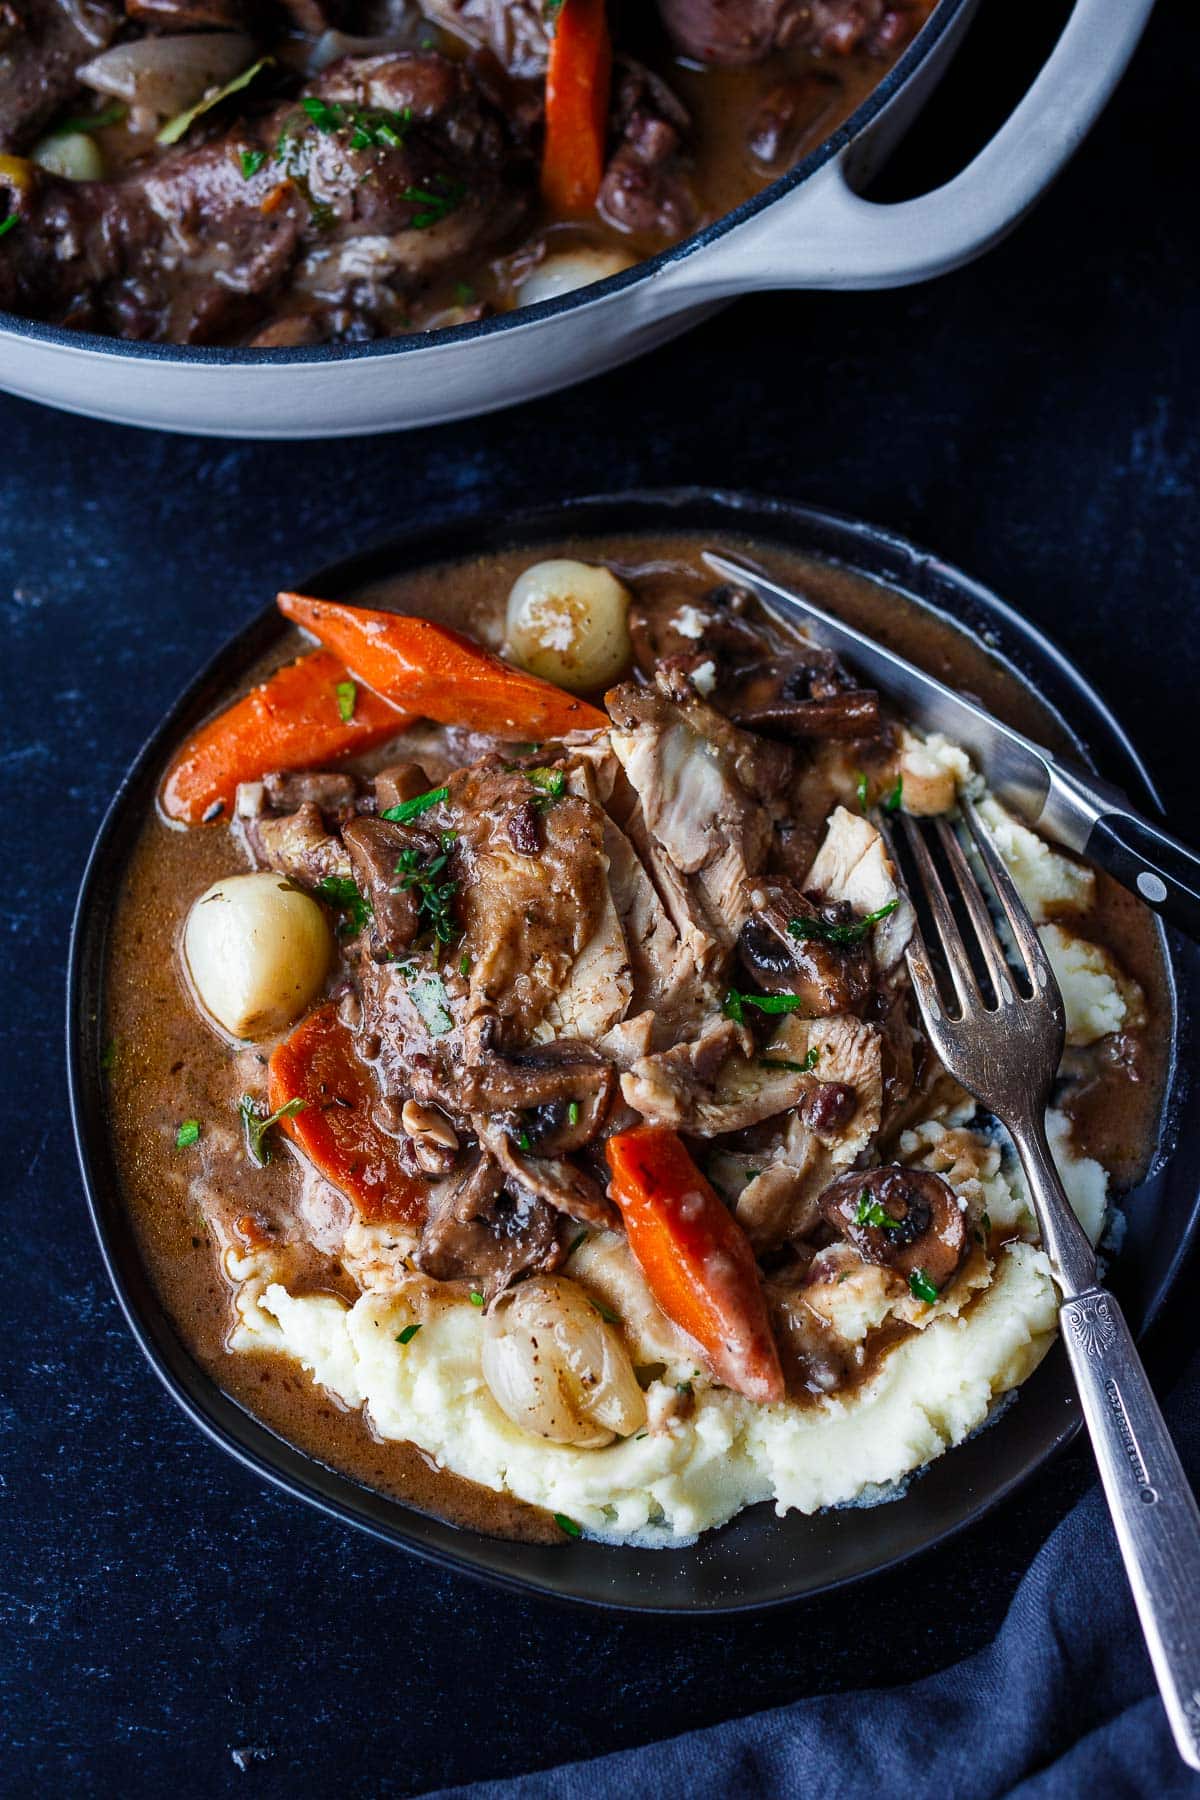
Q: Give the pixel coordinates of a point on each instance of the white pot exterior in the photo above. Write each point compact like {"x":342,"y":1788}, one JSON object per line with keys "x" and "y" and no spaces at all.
{"x":816,"y":233}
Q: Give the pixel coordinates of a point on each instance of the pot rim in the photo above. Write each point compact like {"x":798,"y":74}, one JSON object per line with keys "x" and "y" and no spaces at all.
{"x":98,"y":344}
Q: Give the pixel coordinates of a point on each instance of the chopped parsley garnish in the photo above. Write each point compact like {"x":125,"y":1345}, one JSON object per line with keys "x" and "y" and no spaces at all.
{"x":464,"y":293}
{"x":552,"y":782}
{"x":251,"y":162}
{"x":256,"y":1127}
{"x":476,"y":1297}
{"x":870,"y":1212}
{"x":188,"y":1134}
{"x":582,"y":1238}
{"x":108,"y":1055}
{"x":986,"y":1222}
{"x":891,"y":802}
{"x":551,"y":10}
{"x":824,"y":932}
{"x":524,"y":1142}
{"x":568,"y":1525}
{"x":433,"y":896}
{"x":793,"y":1068}
{"x":432,"y":1002}
{"x":464,"y":964}
{"x":436,"y":203}
{"x":606,"y":1312}
{"x":683,"y":1387}
{"x":370,"y":127}
{"x":408,"y":1334}
{"x":9,"y":224}
{"x":736,"y":1003}
{"x":412,"y":809}
{"x":347,"y":697}
{"x":111,"y":115}
{"x":921,"y":1288}
{"x":862,"y":790}
{"x":573,"y":1113}
{"x":341,"y":891}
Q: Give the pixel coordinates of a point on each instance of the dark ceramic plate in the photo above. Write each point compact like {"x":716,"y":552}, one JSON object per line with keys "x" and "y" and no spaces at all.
{"x":757,"y":1560}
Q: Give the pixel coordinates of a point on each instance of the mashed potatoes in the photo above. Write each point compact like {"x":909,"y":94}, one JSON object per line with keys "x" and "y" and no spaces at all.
{"x":706,"y":1452}
{"x":409,"y":1350}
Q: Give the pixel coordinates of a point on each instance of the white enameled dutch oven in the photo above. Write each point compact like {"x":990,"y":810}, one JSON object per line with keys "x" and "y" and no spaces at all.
{"x":810,"y":229}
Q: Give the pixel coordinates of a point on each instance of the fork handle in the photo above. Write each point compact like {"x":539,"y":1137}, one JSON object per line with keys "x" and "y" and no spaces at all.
{"x":1152,"y":1505}
{"x":1164,"y":872}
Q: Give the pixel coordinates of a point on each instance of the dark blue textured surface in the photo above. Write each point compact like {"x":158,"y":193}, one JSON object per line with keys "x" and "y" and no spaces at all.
{"x":1061,"y":1704}
{"x":1034,"y":420}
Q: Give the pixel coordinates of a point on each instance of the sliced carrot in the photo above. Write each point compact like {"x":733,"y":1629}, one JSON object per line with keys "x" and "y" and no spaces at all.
{"x":695,"y":1257}
{"x":439,"y":674}
{"x":293,"y":720}
{"x":335,"y":1128}
{"x":578,"y":77}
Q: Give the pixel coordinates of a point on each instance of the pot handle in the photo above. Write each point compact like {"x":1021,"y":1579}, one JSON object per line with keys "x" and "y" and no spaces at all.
{"x":843,"y":241}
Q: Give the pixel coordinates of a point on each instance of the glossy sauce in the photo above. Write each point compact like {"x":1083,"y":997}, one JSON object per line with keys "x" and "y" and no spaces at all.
{"x":167,"y":1066}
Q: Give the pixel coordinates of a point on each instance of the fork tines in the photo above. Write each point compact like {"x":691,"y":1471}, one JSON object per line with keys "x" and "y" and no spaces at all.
{"x":1032,"y":966}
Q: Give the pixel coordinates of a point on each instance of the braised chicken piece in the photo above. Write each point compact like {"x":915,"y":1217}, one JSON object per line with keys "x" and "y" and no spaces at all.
{"x":355,"y":217}
{"x":736,"y":32}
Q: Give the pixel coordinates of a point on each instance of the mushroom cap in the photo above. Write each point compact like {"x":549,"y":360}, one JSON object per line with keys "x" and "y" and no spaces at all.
{"x":929,"y":1230}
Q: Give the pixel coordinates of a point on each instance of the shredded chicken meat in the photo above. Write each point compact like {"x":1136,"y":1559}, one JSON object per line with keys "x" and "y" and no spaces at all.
{"x":559,"y":943}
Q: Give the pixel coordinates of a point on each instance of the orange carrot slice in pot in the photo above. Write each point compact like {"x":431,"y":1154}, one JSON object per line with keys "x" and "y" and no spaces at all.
{"x":578,"y":78}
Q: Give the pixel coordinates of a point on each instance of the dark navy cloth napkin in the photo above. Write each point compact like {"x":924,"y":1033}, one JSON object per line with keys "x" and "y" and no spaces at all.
{"x":1062,"y":1705}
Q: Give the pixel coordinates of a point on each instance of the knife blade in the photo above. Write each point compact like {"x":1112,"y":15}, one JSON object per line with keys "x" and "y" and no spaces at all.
{"x":1076,"y":809}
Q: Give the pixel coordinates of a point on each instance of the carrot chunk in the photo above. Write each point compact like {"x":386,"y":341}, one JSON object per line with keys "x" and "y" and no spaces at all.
{"x":695,"y":1257}
{"x":305,"y":714}
{"x":435,"y":673}
{"x":335,"y":1127}
{"x":578,"y":78}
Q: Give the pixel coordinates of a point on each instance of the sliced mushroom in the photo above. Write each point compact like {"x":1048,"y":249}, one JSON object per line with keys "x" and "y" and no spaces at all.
{"x":827,"y":977}
{"x":479,"y":1230}
{"x":668,"y":624}
{"x":927,"y":1231}
{"x":847,"y":715}
{"x":561,"y":1091}
{"x":554,"y":1179}
{"x":748,"y":671}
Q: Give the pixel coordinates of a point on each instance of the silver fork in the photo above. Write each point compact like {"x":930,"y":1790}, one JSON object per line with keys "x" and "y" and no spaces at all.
{"x":1005,"y":1049}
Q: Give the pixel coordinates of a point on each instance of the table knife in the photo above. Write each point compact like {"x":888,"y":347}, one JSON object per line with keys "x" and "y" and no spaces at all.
{"x":1072,"y":806}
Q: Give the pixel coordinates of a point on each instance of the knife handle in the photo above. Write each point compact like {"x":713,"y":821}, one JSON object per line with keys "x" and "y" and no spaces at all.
{"x":1161,"y":870}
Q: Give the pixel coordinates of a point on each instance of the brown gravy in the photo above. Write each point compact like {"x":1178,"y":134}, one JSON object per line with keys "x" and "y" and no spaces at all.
{"x":166,"y":1066}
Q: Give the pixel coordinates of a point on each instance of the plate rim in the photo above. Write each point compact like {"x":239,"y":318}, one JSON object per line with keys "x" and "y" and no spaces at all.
{"x":292,"y":1470}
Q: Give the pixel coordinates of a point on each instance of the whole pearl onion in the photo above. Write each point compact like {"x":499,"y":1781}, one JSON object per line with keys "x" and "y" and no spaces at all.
{"x":568,"y":622}
{"x":258,"y":952}
{"x":557,"y":1368}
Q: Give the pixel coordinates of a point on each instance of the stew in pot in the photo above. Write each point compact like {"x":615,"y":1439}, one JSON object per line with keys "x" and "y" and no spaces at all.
{"x":293,"y":172}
